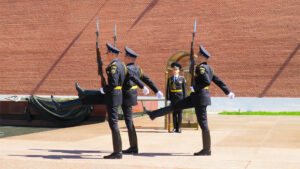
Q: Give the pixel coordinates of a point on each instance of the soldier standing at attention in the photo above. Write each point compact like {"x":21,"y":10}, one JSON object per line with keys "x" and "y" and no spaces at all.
{"x":199,"y":98}
{"x":176,"y":90}
{"x":130,"y":96}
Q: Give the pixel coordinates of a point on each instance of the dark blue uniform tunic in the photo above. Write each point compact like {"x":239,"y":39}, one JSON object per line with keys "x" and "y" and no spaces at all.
{"x":176,"y":91}
{"x":200,"y":99}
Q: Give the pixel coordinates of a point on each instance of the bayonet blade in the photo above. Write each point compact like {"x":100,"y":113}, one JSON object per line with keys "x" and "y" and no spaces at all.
{"x":115,"y":37}
{"x":97,"y":24}
{"x":195,"y":26}
{"x":115,"y":30}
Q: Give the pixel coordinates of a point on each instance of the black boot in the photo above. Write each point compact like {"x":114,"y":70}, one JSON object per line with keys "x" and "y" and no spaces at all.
{"x":113,"y":156}
{"x":206,"y":145}
{"x":158,"y":112}
{"x":117,"y":144}
{"x":133,"y":149}
{"x":67,"y":105}
{"x":80,"y":91}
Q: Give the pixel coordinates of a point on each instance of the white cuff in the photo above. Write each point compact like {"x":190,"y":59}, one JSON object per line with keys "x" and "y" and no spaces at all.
{"x":192,"y":89}
{"x":159,"y":94}
{"x":231,"y":95}
{"x":102,"y":91}
{"x":145,"y":90}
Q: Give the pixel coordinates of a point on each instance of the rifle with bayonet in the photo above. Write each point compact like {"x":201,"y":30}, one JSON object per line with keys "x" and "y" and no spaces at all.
{"x":99,"y":60}
{"x":192,"y":59}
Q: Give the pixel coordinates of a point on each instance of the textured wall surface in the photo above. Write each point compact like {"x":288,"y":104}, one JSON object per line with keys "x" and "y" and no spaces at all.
{"x":46,"y":46}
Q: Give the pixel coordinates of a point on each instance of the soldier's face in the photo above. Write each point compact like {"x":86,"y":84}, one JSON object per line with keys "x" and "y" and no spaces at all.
{"x":126,"y":59}
{"x":176,"y":71}
{"x":201,"y":58}
{"x":110,"y":56}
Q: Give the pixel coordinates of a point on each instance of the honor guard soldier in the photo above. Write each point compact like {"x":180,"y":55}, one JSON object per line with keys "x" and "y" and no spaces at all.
{"x":176,"y":90}
{"x":116,"y":72}
{"x":130,"y":96}
{"x":199,"y":98}
{"x":110,"y":95}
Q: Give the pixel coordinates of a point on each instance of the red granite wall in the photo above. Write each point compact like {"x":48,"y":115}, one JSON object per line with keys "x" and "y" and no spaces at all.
{"x":46,"y":46}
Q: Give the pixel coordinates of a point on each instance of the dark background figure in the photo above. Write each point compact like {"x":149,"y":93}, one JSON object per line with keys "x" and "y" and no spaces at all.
{"x":130,"y":94}
{"x":176,"y":90}
{"x":199,"y":98}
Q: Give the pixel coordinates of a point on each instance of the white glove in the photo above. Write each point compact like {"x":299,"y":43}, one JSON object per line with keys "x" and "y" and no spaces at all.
{"x":192,"y":89}
{"x":231,"y":95}
{"x":159,"y":94}
{"x":145,"y":90}
{"x":102,"y":91}
{"x":168,"y":102}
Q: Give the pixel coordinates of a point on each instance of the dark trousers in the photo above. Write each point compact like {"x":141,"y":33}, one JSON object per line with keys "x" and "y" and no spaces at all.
{"x":202,"y":117}
{"x":127,"y":110}
{"x":177,"y":118}
{"x":113,"y":124}
{"x":93,"y":97}
{"x":200,"y":111}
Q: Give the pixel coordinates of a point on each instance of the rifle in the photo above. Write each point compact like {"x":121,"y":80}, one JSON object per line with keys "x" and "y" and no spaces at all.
{"x":115,"y":37}
{"x":99,"y":61}
{"x":192,"y":60}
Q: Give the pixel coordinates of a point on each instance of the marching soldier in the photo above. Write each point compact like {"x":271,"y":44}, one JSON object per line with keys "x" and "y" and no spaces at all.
{"x":176,"y":90}
{"x":199,"y":98}
{"x":130,"y":96}
{"x":110,"y":95}
{"x":116,"y":72}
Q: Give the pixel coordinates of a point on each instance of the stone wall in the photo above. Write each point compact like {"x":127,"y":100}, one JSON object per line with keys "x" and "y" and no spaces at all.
{"x":47,"y":46}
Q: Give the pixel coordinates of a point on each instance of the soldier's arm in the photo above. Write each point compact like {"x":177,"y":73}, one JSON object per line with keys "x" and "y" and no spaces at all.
{"x":130,"y":75}
{"x":148,"y":81}
{"x":202,"y":78}
{"x":137,"y":81}
{"x":221,"y":84}
{"x":113,"y":78}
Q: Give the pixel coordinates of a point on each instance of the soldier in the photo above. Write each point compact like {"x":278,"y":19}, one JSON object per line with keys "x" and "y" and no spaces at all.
{"x":176,"y":90}
{"x":110,"y":95}
{"x":116,"y":72}
{"x":199,"y":98}
{"x":130,"y":96}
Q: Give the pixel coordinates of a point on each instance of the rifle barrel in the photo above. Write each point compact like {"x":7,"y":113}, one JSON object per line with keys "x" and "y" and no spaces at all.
{"x":97,"y":33}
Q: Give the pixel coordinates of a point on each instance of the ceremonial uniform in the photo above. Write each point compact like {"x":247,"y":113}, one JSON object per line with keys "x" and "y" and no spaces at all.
{"x":116,"y":74}
{"x":199,"y":99}
{"x":110,"y":95}
{"x":176,"y":91}
{"x":130,"y":94}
